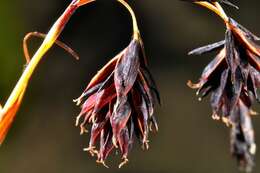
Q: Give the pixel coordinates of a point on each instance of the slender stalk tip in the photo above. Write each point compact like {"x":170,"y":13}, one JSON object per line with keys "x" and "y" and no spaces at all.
{"x":216,"y":8}
{"x":136,"y":33}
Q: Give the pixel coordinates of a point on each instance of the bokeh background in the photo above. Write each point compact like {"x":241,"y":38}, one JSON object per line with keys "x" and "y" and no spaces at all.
{"x":43,"y":137}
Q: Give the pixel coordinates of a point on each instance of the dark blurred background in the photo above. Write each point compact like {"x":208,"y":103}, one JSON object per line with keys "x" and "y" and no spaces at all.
{"x":43,"y":137}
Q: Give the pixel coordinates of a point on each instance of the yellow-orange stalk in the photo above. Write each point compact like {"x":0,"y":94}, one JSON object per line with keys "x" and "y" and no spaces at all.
{"x":8,"y":112}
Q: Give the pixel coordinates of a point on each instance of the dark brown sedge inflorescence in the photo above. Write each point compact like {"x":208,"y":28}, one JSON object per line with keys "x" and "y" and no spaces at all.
{"x":233,"y":78}
{"x":119,"y":101}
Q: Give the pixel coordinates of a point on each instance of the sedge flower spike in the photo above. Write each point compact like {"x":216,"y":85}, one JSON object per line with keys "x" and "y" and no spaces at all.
{"x":9,"y":110}
{"x":233,"y":78}
{"x":119,"y":101}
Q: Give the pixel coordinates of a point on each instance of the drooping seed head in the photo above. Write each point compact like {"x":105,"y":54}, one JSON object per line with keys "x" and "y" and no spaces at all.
{"x":119,"y":104}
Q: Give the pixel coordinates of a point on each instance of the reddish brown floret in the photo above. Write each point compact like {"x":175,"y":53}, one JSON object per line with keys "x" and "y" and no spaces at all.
{"x":119,"y":104}
{"x":233,"y":78}
{"x":243,"y":146}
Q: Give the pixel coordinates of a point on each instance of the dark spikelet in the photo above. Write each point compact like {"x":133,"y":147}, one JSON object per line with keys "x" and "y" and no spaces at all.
{"x":246,"y":32}
{"x":208,"y":48}
{"x":119,"y":103}
{"x":126,"y":69}
{"x":242,"y":142}
{"x":233,"y":78}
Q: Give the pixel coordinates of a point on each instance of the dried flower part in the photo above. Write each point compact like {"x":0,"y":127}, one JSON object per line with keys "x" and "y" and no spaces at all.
{"x":233,"y":79}
{"x":243,"y":145}
{"x":119,"y":103}
{"x":41,"y":35}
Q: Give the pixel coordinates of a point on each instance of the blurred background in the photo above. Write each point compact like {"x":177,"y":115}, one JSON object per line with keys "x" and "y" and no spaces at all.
{"x":43,"y":137}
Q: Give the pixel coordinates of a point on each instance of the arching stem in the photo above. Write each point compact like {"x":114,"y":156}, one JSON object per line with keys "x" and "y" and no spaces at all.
{"x":216,"y":8}
{"x":45,"y":46}
{"x":41,"y":35}
{"x":7,"y":113}
{"x":136,"y":32}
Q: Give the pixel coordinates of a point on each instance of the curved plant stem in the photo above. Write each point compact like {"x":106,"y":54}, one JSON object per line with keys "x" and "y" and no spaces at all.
{"x":216,"y":8}
{"x":7,"y":113}
{"x":41,"y":35}
{"x":45,"y":46}
{"x":136,"y":32}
